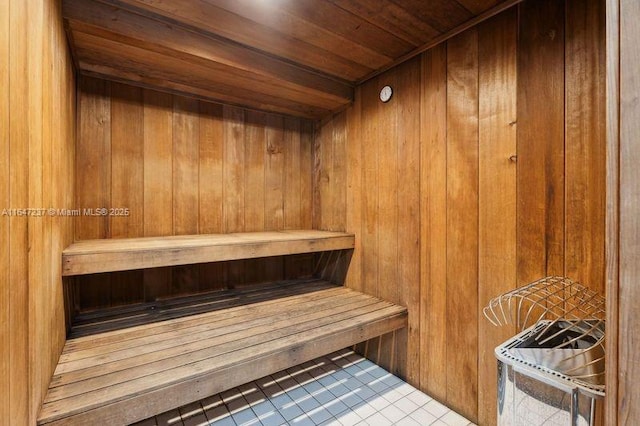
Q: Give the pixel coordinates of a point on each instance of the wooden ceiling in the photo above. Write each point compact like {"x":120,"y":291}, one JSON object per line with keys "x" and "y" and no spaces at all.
{"x":296,"y":57}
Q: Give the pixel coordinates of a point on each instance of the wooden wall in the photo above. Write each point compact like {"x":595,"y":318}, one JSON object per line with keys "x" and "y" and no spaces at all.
{"x":182,"y":166}
{"x":485,"y":171}
{"x":623,"y":212}
{"x":37,"y":116}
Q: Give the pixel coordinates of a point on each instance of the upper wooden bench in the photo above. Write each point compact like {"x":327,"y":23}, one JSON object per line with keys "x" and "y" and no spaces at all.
{"x":122,"y":254}
{"x":123,"y":376}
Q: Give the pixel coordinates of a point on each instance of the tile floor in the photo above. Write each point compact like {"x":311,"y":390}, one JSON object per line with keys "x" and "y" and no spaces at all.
{"x":340,"y":389}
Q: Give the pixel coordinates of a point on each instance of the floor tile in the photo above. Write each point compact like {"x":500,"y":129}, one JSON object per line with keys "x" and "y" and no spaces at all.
{"x":341,"y":389}
{"x":435,"y":408}
{"x":454,"y":419}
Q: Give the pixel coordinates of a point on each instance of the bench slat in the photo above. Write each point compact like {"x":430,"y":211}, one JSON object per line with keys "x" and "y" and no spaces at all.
{"x":129,"y":375}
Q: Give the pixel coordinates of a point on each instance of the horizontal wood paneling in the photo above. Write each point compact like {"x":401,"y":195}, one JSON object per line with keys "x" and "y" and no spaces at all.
{"x":507,"y":190}
{"x":37,"y":131}
{"x":181,"y":167}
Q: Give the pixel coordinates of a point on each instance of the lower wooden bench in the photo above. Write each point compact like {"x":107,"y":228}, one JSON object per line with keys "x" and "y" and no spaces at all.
{"x":129,"y":374}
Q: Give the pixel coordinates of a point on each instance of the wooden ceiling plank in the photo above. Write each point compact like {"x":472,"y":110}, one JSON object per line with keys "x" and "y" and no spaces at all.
{"x":165,"y":38}
{"x":179,"y":68}
{"x":132,"y":77}
{"x":392,"y":18}
{"x":197,"y":14}
{"x":146,"y":71}
{"x":268,"y":14}
{"x":499,"y":8}
{"x":443,"y":15}
{"x":345,"y":24}
{"x":477,"y":6}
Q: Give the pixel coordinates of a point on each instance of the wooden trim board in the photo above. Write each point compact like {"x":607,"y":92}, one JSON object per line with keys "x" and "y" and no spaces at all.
{"x":122,"y":254}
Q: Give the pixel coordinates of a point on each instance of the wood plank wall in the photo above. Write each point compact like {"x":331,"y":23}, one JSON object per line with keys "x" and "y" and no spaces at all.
{"x":486,"y":170}
{"x":37,"y":132}
{"x":624,"y":218}
{"x":182,"y":166}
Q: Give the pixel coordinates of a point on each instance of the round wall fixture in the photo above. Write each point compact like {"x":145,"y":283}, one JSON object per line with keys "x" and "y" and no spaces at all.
{"x":385,"y":93}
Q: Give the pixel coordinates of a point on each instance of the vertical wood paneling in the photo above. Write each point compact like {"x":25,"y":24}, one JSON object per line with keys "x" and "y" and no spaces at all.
{"x":254,"y":203}
{"x":540,"y":140}
{"x":387,"y":218}
{"x":127,"y":181}
{"x":408,"y":208}
{"x":210,"y":186}
{"x":5,"y":235}
{"x":496,"y":192}
{"x":612,"y":237}
{"x":274,"y":181}
{"x":354,"y":189}
{"x":629,"y":292}
{"x":185,"y":167}
{"x":37,"y":117}
{"x":370,"y":167}
{"x":186,"y":149}
{"x":158,"y":182}
{"x":94,"y":187}
{"x":292,"y":174}
{"x":19,"y":192}
{"x":306,"y":166}
{"x":433,"y":225}
{"x":462,"y":223}
{"x":491,"y":190}
{"x":35,"y":225}
{"x":585,"y":141}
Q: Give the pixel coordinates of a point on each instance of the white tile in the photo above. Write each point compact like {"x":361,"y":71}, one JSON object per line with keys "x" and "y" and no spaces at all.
{"x":245,"y":417}
{"x":324,"y":396}
{"x":392,"y":395}
{"x":404,"y":388}
{"x":419,"y":398}
{"x":378,"y":403}
{"x":227,"y":421}
{"x":423,"y":417}
{"x":336,"y":407}
{"x":274,"y":419}
{"x":406,"y":405}
{"x":378,"y":386}
{"x":312,"y":387}
{"x":291,"y":412}
{"x":393,"y":413}
{"x":339,"y":390}
{"x":319,"y":415}
{"x":298,"y":394}
{"x":378,"y":420}
{"x":435,"y":408}
{"x":303,"y":420}
{"x":281,"y":400}
{"x":365,"y":393}
{"x":408,"y":421}
{"x":365,"y":410}
{"x":351,"y":399}
{"x":263,"y":409}
{"x":308,"y":404}
{"x":454,"y":419}
{"x":348,"y":418}
{"x":330,"y":422}
{"x":364,"y":377}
